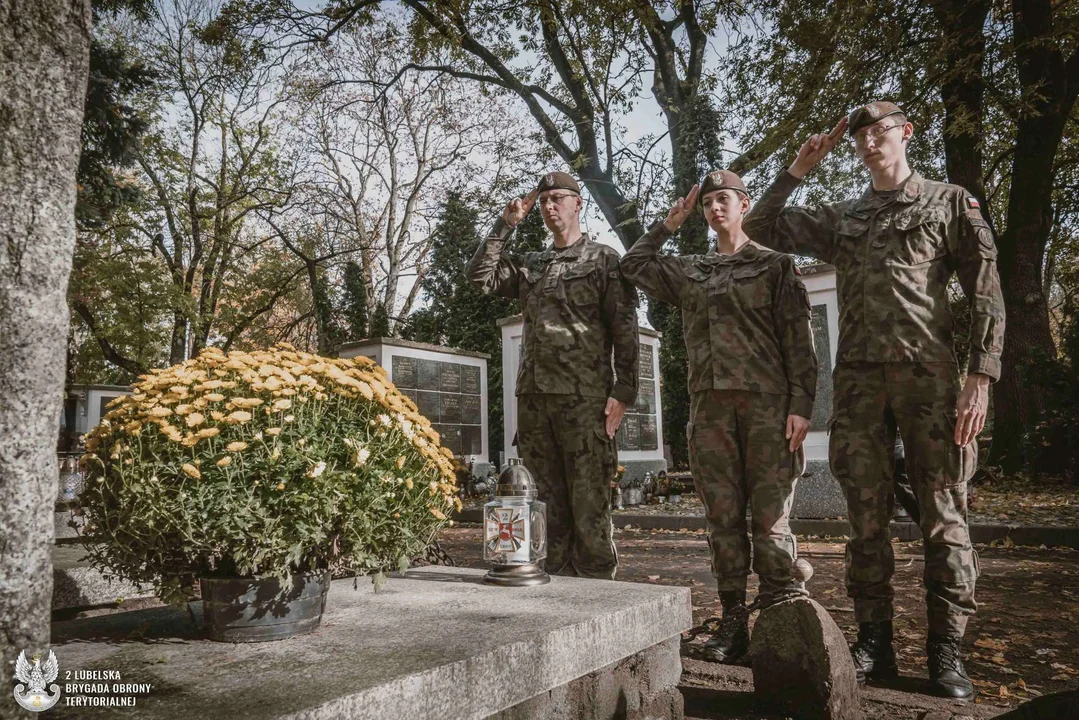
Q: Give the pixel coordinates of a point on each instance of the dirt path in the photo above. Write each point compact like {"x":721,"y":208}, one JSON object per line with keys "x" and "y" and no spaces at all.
{"x":1024,"y":642}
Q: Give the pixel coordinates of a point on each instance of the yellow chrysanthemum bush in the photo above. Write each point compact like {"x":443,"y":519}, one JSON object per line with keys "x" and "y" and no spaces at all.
{"x":262,"y":463}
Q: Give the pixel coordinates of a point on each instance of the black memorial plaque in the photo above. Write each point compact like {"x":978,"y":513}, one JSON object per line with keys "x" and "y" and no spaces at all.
{"x":471,"y":440}
{"x":631,"y":439}
{"x":649,"y":434}
{"x":429,"y":406}
{"x":470,"y":380}
{"x":451,"y":408}
{"x":646,"y":398}
{"x":646,"y":362}
{"x":427,"y":374}
{"x":470,"y":410}
{"x":822,"y":408}
{"x":404,"y":371}
{"x":451,"y":377}
{"x":450,"y":437}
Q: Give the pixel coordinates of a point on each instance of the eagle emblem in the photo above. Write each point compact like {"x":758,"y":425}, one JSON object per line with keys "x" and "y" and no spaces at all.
{"x":33,"y":695}
{"x":873,"y":110}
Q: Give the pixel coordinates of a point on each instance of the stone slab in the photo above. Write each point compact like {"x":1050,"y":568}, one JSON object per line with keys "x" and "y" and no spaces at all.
{"x":77,"y":585}
{"x":817,"y":494}
{"x":434,"y":643}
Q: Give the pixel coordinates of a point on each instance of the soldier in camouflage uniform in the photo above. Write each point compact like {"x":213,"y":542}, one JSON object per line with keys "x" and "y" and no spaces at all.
{"x":895,"y":249}
{"x":577,"y":310}
{"x":752,"y":378}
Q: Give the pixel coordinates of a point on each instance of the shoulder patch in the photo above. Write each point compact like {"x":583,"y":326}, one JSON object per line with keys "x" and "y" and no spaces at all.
{"x":972,"y":203}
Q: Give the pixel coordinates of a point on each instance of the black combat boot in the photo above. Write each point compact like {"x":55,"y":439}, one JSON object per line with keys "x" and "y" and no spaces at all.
{"x":947,"y":678}
{"x":873,"y":654}
{"x":731,"y":641}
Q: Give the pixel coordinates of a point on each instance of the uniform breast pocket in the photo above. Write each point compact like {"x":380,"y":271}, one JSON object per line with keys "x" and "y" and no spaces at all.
{"x":751,"y":286}
{"x":581,"y":285}
{"x":528,"y":287}
{"x":918,"y":237}
{"x":695,"y":291}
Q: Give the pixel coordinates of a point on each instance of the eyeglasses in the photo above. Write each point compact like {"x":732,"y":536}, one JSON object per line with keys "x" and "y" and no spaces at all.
{"x":876,"y":132}
{"x":555,"y":198}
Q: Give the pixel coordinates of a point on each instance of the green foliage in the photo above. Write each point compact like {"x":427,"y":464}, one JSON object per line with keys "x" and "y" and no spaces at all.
{"x":354,"y":302}
{"x":457,"y":313}
{"x":1052,"y":445}
{"x":261,"y":464}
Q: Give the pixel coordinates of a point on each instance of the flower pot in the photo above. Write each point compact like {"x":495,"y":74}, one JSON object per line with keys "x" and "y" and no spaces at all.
{"x":258,"y":609}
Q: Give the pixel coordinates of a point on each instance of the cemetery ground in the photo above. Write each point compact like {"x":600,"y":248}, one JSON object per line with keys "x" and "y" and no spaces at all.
{"x":1024,"y":641}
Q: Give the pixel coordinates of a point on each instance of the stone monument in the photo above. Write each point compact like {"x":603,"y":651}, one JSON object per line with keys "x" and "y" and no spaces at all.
{"x":447,"y":384}
{"x":640,"y":439}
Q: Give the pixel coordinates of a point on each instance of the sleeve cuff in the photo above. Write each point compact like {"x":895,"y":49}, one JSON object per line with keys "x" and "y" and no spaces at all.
{"x":660,"y":231}
{"x":787,"y":182}
{"x":624,"y":393}
{"x":985,"y":365}
{"x":801,"y":405}
{"x":500,"y":232}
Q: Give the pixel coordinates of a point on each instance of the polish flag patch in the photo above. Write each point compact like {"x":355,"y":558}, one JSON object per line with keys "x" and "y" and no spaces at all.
{"x":972,"y":203}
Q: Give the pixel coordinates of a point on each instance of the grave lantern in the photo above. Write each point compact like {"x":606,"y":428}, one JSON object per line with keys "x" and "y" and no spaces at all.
{"x":515,"y":530}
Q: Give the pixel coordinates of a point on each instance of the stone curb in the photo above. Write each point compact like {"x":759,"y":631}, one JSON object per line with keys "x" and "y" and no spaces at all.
{"x":1034,"y":535}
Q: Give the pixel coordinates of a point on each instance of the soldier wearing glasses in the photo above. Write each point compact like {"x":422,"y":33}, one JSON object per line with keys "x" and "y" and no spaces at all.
{"x":578,"y":311}
{"x":895,"y":249}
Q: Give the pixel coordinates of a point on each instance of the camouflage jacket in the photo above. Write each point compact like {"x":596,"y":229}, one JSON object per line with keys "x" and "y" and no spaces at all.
{"x":894,"y":259}
{"x":577,"y":309}
{"x":745,"y":317}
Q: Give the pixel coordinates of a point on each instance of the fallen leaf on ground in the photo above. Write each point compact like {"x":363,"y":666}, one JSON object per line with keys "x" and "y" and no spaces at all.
{"x":991,"y":644}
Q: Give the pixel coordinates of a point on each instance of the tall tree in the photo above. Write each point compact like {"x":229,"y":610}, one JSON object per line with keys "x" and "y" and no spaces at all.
{"x":457,"y":314}
{"x":43,"y":75}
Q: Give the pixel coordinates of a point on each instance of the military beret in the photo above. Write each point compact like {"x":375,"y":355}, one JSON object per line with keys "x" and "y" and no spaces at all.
{"x":558,"y":181}
{"x":868,"y":114}
{"x":720,"y":180}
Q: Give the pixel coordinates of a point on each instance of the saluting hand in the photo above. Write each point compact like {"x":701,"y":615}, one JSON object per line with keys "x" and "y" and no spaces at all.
{"x":517,"y":208}
{"x":816,"y":148}
{"x":681,"y":210}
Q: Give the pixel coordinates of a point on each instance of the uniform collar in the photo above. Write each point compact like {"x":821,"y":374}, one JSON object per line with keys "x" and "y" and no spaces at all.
{"x":748,"y":253}
{"x":909,"y":191}
{"x":573,"y":252}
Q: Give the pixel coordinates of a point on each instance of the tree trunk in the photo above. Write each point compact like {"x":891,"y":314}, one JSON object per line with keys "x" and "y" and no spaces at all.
{"x":1050,"y":85}
{"x":43,"y":73}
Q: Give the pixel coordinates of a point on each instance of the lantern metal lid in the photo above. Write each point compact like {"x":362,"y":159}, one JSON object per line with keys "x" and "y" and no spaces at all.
{"x":515,"y":530}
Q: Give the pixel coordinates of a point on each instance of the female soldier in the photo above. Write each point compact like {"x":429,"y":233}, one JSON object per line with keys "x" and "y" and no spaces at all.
{"x":752,"y":378}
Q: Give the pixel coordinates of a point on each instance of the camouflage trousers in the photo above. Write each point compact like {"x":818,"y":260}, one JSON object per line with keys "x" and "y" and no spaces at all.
{"x":871,"y":400}
{"x":739,"y":456}
{"x":563,"y":441}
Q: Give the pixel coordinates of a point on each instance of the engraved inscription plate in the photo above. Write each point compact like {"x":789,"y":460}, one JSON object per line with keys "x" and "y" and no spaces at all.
{"x":471,"y":440}
{"x":427,"y":374}
{"x":451,"y":437}
{"x":632,"y":437}
{"x":470,"y":380}
{"x":646,"y":397}
{"x":646,"y":362}
{"x":649,"y":436}
{"x":822,"y":406}
{"x":404,"y":371}
{"x":470,"y":410}
{"x":450,"y":408}
{"x":451,"y":377}
{"x":429,"y":405}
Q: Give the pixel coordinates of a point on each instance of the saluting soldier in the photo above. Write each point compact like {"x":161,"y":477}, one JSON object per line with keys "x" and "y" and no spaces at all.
{"x":578,"y":313}
{"x":895,"y":249}
{"x":752,"y":379}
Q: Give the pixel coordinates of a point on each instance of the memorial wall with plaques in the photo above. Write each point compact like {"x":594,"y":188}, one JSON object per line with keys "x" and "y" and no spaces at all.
{"x":449,"y":395}
{"x":448,"y":386}
{"x":640,"y":430}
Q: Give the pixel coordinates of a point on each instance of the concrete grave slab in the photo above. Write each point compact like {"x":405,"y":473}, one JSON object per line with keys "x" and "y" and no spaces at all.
{"x":434,"y":643}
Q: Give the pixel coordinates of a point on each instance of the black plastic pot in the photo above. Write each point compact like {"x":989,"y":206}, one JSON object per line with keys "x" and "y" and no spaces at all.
{"x":259,"y":609}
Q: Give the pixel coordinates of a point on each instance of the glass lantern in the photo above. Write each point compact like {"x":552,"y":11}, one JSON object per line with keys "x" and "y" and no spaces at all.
{"x":515,"y":530}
